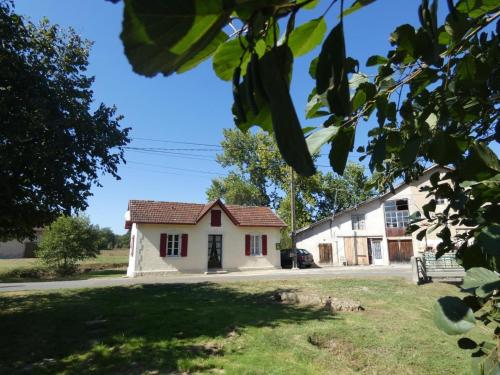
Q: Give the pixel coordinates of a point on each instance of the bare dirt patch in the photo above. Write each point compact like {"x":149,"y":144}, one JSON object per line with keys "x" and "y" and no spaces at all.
{"x":332,"y":304}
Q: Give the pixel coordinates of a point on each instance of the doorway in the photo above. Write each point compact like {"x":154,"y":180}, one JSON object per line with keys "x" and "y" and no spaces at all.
{"x":214,"y":251}
{"x":400,"y":251}
{"x":375,"y":251}
{"x":325,"y":253}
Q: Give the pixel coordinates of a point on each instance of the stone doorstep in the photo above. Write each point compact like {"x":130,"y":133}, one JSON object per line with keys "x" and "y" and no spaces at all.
{"x":216,"y":272}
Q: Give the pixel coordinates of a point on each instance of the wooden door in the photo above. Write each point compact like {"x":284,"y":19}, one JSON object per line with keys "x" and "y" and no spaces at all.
{"x":400,"y":250}
{"x":349,"y":253}
{"x":325,"y":253}
{"x":356,"y":250}
{"x":362,"y":251}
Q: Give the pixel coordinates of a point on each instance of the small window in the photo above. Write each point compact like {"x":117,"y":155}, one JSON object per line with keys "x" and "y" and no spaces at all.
{"x":173,"y":245}
{"x":255,"y":244}
{"x":358,"y":222}
{"x":215,"y":218}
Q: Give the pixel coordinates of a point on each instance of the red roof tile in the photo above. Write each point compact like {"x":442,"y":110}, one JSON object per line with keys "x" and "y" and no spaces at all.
{"x":155,"y":212}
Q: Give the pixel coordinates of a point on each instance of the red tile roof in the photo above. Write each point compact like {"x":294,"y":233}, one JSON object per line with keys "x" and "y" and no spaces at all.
{"x":155,"y":212}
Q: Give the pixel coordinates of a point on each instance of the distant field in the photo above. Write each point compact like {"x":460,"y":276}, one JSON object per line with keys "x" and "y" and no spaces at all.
{"x":230,"y":328}
{"x":109,"y":262}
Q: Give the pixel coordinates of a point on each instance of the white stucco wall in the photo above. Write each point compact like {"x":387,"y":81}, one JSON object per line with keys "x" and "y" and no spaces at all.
{"x":147,"y":260}
{"x":341,"y":225}
{"x":16,"y":249}
{"x":11,"y":249}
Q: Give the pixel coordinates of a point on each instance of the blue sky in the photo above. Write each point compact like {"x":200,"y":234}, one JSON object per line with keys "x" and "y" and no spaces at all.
{"x":193,"y":107}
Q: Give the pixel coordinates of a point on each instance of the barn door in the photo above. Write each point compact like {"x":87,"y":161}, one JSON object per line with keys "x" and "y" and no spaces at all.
{"x":350,"y":254}
{"x":325,"y":253}
{"x":400,"y":250}
{"x":361,"y":251}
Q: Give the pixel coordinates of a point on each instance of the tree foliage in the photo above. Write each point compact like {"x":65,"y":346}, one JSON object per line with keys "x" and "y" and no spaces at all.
{"x":53,"y":146}
{"x":259,"y":176}
{"x":435,"y":98}
{"x":67,"y":241}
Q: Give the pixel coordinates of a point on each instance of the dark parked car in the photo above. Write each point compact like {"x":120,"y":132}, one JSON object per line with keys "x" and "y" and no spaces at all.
{"x":304,"y":258}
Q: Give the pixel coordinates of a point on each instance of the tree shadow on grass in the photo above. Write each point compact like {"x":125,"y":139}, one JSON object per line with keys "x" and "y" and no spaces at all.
{"x":131,"y":330}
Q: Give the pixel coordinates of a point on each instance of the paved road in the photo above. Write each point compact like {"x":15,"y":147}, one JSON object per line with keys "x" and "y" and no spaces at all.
{"x":323,"y":273}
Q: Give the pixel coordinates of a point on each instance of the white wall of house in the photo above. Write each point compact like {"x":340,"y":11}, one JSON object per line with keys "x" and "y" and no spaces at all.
{"x":11,"y":249}
{"x":17,"y":249}
{"x":338,"y":228}
{"x":146,"y":259}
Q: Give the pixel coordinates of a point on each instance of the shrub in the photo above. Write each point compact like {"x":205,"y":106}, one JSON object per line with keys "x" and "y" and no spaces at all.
{"x":67,"y":241}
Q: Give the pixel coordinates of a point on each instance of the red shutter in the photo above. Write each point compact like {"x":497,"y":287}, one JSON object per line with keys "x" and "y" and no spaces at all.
{"x":163,"y":245}
{"x":247,"y":244}
{"x":184,"y":245}
{"x":264,"y":244}
{"x":132,"y":244}
{"x":215,"y":218}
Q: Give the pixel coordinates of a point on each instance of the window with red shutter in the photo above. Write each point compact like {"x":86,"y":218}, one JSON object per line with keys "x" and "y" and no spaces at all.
{"x":247,"y":245}
{"x":215,"y":218}
{"x":163,"y":245}
{"x":184,"y":245}
{"x":132,"y":245}
{"x":264,"y":244}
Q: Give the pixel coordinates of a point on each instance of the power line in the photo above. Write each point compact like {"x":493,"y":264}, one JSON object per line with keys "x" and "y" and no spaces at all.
{"x":175,"y":168}
{"x":169,"y":173}
{"x":177,"y":142}
{"x":172,"y":155}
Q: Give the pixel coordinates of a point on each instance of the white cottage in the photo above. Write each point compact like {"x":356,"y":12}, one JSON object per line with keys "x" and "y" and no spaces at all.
{"x":374,"y":232}
{"x":190,"y":237}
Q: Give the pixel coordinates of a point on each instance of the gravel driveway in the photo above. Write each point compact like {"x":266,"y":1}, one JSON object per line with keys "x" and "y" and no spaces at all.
{"x":284,"y":274}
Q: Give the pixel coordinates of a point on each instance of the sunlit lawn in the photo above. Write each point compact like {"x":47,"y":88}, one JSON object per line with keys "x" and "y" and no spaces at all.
{"x":107,"y":263}
{"x":232,"y":328}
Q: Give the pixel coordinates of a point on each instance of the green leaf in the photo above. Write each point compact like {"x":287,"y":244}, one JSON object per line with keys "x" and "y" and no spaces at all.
{"x":443,"y":149}
{"x":310,"y":5}
{"x":376,"y":60}
{"x":227,"y":58}
{"x":204,"y":54}
{"x":476,"y":8}
{"x":317,"y":139}
{"x":312,"y":67}
{"x":331,"y":72}
{"x":274,"y":73}
{"x":194,"y":29}
{"x":365,"y":92}
{"x":478,"y":276}
{"x":315,"y":103}
{"x":307,"y":36}
{"x":405,"y":40}
{"x":489,"y":239}
{"x":341,"y":145}
{"x":482,"y":280}
{"x":357,"y":5}
{"x":453,"y":316}
{"x":487,"y":156}
{"x":410,"y":151}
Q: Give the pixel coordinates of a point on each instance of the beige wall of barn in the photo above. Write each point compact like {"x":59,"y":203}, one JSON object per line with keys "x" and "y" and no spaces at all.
{"x":341,"y":226}
{"x":147,"y":260}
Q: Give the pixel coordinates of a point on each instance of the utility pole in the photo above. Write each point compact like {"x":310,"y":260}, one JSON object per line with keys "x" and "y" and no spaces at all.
{"x":292,"y":222}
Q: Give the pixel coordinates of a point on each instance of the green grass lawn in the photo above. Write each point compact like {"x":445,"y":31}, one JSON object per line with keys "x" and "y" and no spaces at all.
{"x":231,"y":328}
{"x":107,"y":263}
